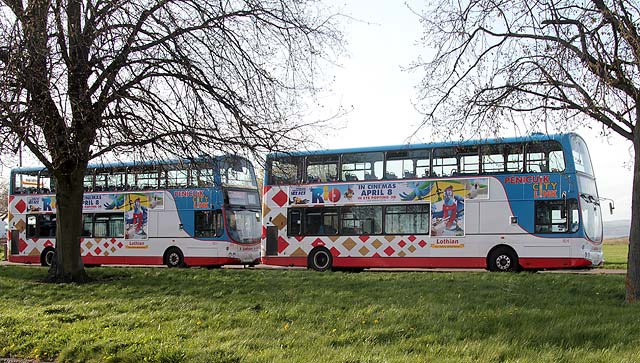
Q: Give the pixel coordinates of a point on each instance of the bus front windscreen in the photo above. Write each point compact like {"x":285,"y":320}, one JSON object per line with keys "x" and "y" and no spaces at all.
{"x":581,"y":158}
{"x":244,"y":225}
{"x":237,"y":172}
{"x":591,"y":217}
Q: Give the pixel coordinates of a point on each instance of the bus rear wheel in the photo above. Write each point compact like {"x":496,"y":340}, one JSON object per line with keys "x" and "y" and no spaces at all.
{"x":320,"y":259}
{"x":503,"y":259}
{"x":47,"y":256}
{"x":174,"y":258}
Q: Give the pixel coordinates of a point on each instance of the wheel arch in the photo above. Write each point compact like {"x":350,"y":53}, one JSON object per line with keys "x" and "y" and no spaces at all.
{"x":497,"y":247}
{"x":168,"y":250}
{"x":43,"y":256}
{"x":311,"y":263}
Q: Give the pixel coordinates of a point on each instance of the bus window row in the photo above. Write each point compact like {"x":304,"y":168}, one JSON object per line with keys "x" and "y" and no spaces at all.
{"x":170,"y":176}
{"x":552,"y":216}
{"x":532,"y":157}
{"x":361,"y":220}
{"x":209,"y":223}
{"x":93,"y":225}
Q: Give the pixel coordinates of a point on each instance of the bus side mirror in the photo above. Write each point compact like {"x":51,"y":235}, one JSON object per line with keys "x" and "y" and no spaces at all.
{"x":611,"y":207}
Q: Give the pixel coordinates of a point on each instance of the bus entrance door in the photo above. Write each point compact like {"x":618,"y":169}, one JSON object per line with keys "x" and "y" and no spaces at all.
{"x":15,"y":242}
{"x":272,"y":241}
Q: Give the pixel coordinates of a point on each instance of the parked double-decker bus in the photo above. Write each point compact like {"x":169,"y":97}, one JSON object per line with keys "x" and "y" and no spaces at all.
{"x":179,"y":213}
{"x":502,"y":204}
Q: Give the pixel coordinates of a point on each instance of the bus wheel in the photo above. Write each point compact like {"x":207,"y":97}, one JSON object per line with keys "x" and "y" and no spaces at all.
{"x":47,"y":256}
{"x":503,"y":259}
{"x":320,"y":259}
{"x":174,"y":257}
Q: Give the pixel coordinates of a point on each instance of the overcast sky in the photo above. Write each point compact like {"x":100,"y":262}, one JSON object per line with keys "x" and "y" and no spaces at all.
{"x":372,"y":83}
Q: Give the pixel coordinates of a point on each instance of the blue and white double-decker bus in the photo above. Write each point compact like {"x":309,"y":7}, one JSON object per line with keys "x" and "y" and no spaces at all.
{"x":178,"y":213}
{"x":503,"y":204}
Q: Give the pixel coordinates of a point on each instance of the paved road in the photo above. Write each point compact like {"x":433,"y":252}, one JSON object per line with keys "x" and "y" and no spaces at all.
{"x":596,"y":271}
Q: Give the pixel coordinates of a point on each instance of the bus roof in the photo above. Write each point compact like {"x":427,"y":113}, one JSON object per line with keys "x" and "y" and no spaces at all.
{"x":532,"y":137}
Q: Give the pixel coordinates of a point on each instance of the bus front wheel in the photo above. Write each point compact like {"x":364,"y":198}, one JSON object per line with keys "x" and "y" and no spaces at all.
{"x":320,"y":259}
{"x":174,"y":257}
{"x":503,"y":259}
{"x":47,"y":256}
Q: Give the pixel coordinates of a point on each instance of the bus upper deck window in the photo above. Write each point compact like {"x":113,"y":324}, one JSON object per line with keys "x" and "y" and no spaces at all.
{"x":445,"y":162}
{"x":556,"y":161}
{"x":407,"y":164}
{"x":362,"y":166}
{"x":322,"y":168}
{"x":469,"y":160}
{"x":493,"y":158}
{"x":399,"y":165}
{"x":285,"y":170}
{"x":544,"y":157}
{"x":514,"y":158}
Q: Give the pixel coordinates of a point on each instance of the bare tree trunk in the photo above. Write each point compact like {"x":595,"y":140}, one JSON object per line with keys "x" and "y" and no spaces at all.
{"x":68,"y":266}
{"x":633,"y":261}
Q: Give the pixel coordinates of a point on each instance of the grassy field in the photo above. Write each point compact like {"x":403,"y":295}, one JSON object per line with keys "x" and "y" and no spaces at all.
{"x":615,"y":253}
{"x":229,"y":315}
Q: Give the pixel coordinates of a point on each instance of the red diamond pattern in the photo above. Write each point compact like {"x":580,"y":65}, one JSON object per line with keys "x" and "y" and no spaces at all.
{"x":11,"y":198}
{"x":106,"y":245}
{"x":389,"y":251}
{"x":334,"y":252}
{"x":48,"y":244}
{"x":280,"y":198}
{"x":22,"y":245}
{"x":422,"y":243}
{"x":97,"y":251}
{"x":267,"y":188}
{"x":402,"y":244}
{"x":299,"y":238}
{"x":412,"y":238}
{"x":376,"y":255}
{"x":318,"y":242}
{"x":364,"y":238}
{"x":264,"y":232}
{"x":282,"y":244}
{"x":120,"y":245}
{"x":21,"y":206}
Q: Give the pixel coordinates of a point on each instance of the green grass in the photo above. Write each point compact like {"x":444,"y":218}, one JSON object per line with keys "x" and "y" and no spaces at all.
{"x":199,"y":315}
{"x":615,"y":256}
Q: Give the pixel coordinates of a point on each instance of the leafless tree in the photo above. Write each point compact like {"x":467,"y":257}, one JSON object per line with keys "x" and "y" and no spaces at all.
{"x":553,"y":64}
{"x":82,"y":79}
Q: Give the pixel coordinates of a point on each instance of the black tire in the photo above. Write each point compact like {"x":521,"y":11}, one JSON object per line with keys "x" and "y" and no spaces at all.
{"x":47,"y":256}
{"x":320,"y":259}
{"x":174,"y":258}
{"x":503,"y":259}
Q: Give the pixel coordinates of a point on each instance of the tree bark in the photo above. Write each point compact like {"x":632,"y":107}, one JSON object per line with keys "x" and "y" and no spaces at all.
{"x":633,"y":259}
{"x":68,"y":266}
